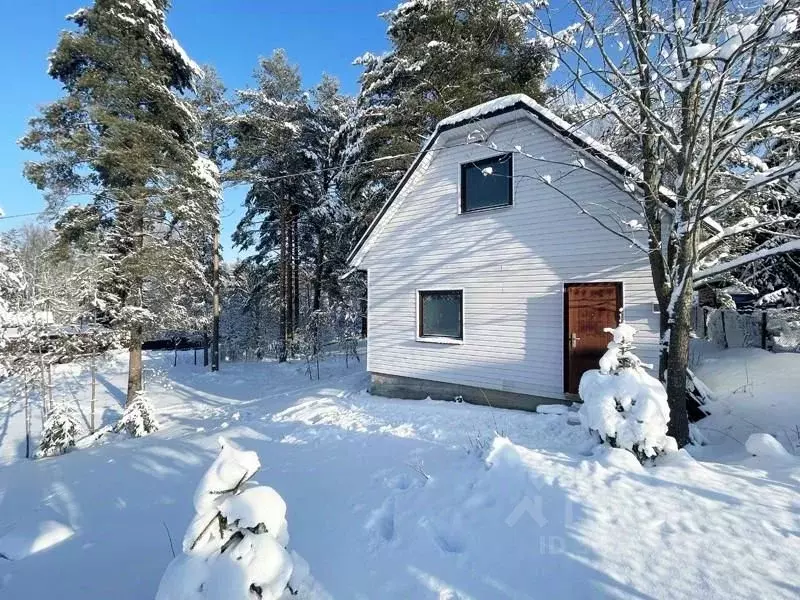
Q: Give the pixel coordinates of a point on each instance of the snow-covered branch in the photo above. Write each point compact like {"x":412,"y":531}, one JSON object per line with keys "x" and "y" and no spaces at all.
{"x":723,"y":267}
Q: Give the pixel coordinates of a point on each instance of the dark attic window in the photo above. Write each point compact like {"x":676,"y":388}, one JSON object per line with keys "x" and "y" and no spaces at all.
{"x":487,"y":183}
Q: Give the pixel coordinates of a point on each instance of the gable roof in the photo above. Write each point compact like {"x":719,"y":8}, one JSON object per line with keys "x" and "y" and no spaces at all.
{"x":507,"y":104}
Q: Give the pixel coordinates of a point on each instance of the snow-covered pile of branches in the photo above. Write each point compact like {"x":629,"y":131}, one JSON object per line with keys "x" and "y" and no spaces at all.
{"x":61,"y":431}
{"x":235,"y":547}
{"x":622,"y":403}
{"x":139,"y":418}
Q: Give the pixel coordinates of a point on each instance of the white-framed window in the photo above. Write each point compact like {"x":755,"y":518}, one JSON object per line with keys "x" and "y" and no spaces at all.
{"x":487,"y":183}
{"x":440,"y":315}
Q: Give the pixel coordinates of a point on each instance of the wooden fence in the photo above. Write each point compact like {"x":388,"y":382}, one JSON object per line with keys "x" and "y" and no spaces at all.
{"x":777,"y":330}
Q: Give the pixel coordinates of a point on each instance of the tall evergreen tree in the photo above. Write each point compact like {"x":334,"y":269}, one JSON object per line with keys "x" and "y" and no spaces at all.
{"x":445,"y":56}
{"x":12,"y":288}
{"x":295,"y":216}
{"x":215,"y":113}
{"x":326,"y":218}
{"x":267,"y":154}
{"x":123,"y":137}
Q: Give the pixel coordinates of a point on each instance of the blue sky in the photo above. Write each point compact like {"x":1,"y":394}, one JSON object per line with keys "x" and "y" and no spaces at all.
{"x":322,"y":36}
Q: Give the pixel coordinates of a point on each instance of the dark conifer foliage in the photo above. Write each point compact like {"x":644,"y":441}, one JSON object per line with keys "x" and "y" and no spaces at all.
{"x":122,"y":141}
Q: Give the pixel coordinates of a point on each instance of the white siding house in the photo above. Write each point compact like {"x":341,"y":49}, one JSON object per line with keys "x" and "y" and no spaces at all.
{"x":511,"y":265}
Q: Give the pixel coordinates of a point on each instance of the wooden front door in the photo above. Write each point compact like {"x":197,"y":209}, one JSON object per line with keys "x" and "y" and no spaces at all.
{"x":588,"y":309}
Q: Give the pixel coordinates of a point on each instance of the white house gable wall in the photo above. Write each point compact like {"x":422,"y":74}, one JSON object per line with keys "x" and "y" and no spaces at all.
{"x":511,"y":262}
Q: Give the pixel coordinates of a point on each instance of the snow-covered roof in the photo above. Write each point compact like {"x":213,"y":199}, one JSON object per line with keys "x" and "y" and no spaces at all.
{"x":505,"y":104}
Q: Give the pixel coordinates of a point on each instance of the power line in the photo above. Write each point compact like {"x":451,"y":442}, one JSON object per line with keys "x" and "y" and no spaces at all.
{"x":31,"y":214}
{"x":301,"y":173}
{"x":358,"y":163}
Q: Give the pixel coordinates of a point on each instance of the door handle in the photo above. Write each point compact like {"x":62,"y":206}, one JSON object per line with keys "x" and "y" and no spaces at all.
{"x":573,"y":340}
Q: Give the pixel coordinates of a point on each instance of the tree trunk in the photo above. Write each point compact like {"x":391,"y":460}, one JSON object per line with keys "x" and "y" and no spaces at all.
{"x":319,"y":262}
{"x":677,"y":362}
{"x":289,"y":283}
{"x":135,"y":296}
{"x":296,"y":271}
{"x":134,"y":364}
{"x":46,"y":408}
{"x":215,"y":301}
{"x":282,"y":289}
{"x":205,"y":348}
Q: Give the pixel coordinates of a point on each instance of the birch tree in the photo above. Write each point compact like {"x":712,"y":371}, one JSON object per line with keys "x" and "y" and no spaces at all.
{"x":690,"y":85}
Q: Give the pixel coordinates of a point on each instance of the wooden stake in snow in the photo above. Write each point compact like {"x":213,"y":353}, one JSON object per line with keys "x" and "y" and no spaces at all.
{"x":50,"y":383}
{"x":45,"y":407}
{"x":94,"y":380}
{"x":27,"y":423}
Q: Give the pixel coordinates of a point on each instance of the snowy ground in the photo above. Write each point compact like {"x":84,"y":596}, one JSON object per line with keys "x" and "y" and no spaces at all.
{"x":402,"y":499}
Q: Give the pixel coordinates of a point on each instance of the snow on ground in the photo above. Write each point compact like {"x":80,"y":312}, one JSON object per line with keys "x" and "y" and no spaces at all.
{"x":410,"y":499}
{"x":755,"y":391}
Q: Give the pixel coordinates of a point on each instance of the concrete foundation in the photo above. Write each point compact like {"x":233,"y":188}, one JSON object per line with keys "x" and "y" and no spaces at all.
{"x":411,"y":388}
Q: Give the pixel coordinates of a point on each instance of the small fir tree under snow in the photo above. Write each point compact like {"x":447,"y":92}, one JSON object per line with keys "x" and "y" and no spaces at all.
{"x":61,"y":431}
{"x":139,"y":418}
{"x":622,"y":403}
{"x":235,"y":547}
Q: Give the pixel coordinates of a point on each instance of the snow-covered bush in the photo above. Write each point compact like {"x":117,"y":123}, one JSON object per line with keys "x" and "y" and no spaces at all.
{"x":622,"y":403}
{"x":139,"y":418}
{"x":235,"y":547}
{"x":61,"y":431}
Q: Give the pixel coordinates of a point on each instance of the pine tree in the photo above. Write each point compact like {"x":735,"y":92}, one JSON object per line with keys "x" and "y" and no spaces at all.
{"x":283,"y":152}
{"x":124,"y":137}
{"x":215,"y":113}
{"x":236,"y":545}
{"x":326,"y":218}
{"x":60,"y":432}
{"x":12,"y":288}
{"x":624,"y":405}
{"x":267,"y":136}
{"x":445,"y":56}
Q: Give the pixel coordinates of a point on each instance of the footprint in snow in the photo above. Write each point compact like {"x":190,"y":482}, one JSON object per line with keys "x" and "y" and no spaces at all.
{"x":381,"y":521}
{"x":401,"y":482}
{"x":447,"y":538}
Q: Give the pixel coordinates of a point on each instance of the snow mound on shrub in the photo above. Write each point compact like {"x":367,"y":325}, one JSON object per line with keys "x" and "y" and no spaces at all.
{"x":139,"y":418}
{"x":629,"y":407}
{"x":256,"y":505}
{"x":235,"y":547}
{"x":618,"y":458}
{"x":764,"y":445}
{"x":504,"y":454}
{"x":61,"y":430}
{"x":622,"y":403}
{"x":231,"y":468}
